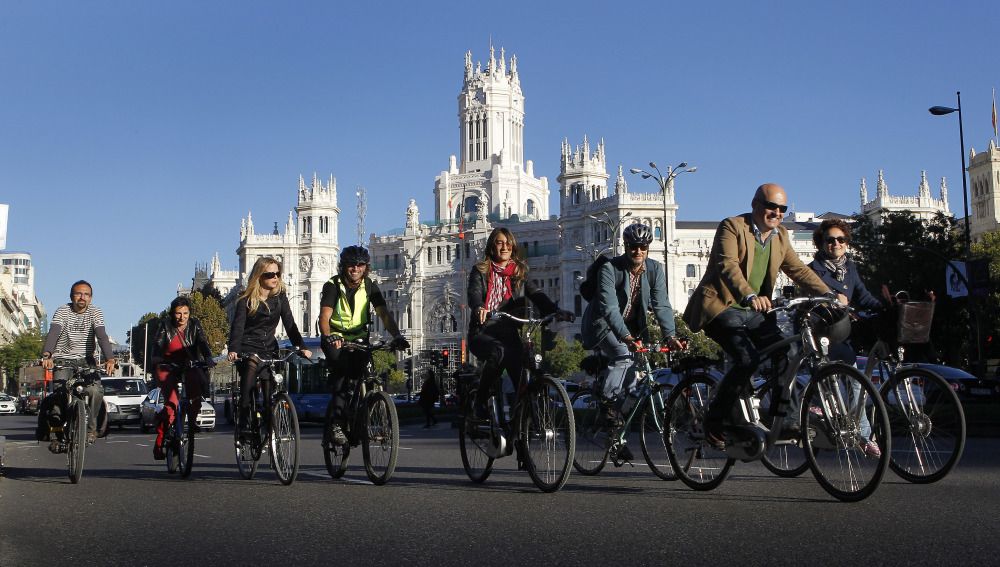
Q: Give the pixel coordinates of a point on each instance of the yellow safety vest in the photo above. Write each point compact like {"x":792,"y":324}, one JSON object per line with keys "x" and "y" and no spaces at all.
{"x":344,"y":322}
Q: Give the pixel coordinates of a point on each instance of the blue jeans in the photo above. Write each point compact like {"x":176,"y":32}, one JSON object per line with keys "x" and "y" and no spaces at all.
{"x":620,"y":372}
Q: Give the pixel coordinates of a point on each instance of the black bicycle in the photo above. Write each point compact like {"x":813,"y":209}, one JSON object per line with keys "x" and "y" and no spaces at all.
{"x":836,"y":403}
{"x":541,"y":426}
{"x":71,"y":434}
{"x":369,"y":420}
{"x":280,"y":433}
{"x":178,"y":440}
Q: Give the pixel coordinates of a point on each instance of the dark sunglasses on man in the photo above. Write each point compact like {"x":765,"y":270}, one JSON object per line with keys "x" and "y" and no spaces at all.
{"x":771,"y":206}
{"x":638,"y":247}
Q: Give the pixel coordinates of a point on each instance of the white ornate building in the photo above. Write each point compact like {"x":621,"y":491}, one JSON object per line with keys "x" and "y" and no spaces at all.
{"x":984,"y":188}
{"x":922,"y":206}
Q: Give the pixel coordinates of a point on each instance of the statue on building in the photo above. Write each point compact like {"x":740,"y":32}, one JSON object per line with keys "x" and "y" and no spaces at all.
{"x":412,"y":214}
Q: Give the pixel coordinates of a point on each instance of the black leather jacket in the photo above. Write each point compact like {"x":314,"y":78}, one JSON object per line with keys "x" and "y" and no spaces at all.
{"x":195,"y":342}
{"x":515,"y":305}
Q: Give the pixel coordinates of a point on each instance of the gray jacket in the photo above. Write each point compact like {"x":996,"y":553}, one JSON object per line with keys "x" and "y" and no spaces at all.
{"x":604,"y":314}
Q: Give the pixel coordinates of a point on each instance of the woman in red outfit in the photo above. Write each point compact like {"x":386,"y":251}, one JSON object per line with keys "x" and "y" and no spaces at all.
{"x":180,"y":339}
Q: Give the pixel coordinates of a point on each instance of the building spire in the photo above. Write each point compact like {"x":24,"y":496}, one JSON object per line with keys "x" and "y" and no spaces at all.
{"x":944,"y":193}
{"x":864,"y":192}
{"x":621,"y":186}
{"x":924,"y":192}
{"x":881,"y":189}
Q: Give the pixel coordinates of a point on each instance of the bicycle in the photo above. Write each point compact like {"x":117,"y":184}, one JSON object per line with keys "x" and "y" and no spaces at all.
{"x":830,"y":415}
{"x":369,"y":420}
{"x":72,"y":432}
{"x":178,"y":439}
{"x":598,"y":441}
{"x":926,"y":418}
{"x":280,"y":432}
{"x":541,"y":422}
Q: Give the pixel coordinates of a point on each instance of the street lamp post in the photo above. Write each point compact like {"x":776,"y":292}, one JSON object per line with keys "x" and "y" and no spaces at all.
{"x":941,"y":111}
{"x":613,"y":226}
{"x":973,"y":332}
{"x":666,"y":183}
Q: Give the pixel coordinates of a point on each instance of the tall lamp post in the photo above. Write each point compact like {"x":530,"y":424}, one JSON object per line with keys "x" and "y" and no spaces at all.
{"x":666,"y":183}
{"x":941,"y":111}
{"x":613,"y":226}
{"x":973,"y":332}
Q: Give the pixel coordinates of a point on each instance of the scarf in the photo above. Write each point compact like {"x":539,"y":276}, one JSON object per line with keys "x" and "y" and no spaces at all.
{"x":498,"y":284}
{"x":837,"y":267}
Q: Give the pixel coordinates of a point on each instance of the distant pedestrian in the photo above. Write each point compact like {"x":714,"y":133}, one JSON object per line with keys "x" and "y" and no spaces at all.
{"x":429,"y":393}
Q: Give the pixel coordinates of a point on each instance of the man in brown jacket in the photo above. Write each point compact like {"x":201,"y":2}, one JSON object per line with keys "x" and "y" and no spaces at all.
{"x":731,"y":302}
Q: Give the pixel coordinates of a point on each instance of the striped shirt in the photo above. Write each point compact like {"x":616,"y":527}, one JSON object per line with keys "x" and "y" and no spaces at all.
{"x":77,"y":333}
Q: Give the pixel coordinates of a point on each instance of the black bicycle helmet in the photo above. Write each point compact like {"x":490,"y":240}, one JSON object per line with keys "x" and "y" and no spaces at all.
{"x":637,"y":235}
{"x":830,"y":322}
{"x":354,"y":255}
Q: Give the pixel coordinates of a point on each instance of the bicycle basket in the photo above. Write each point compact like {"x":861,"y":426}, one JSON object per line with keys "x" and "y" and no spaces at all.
{"x":829,"y":322}
{"x":914,"y":325}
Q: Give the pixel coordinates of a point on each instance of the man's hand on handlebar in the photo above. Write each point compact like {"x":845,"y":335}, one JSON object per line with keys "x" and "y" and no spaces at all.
{"x":565,"y":315}
{"x":399,"y":342}
{"x":673,"y":343}
{"x":760,"y":303}
{"x":109,"y":366}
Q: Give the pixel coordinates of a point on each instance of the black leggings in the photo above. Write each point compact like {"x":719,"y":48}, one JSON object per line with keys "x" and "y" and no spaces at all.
{"x":248,"y":380}
{"x":499,"y":347}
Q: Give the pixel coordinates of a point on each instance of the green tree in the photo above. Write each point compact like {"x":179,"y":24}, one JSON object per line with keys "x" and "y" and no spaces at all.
{"x":397,"y":380}
{"x":138,"y":336}
{"x":25,"y":347}
{"x":563,"y":359}
{"x":213,"y":319}
{"x":384,"y":361}
{"x":989,"y":247}
{"x":698,"y":343}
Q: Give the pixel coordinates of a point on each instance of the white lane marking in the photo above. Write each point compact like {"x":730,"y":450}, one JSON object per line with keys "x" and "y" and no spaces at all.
{"x":123,"y":441}
{"x":142,"y":445}
{"x":202,"y":456}
{"x":343,"y":479}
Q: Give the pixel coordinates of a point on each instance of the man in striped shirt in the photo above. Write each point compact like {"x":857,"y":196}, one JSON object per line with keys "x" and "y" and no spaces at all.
{"x":74,"y":329}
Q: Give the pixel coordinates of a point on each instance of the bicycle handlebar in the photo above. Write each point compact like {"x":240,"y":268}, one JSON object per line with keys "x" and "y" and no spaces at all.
{"x":270,"y":361}
{"x":789,"y":304}
{"x":504,"y":315}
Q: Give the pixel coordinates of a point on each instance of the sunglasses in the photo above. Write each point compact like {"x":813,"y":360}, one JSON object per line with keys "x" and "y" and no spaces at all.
{"x":270,"y":275}
{"x":773,"y":206}
{"x":355,"y":265}
{"x":639,"y":247}
{"x":840,"y":239}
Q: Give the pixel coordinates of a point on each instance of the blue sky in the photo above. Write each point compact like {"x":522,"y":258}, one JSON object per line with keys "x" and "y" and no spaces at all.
{"x":135,"y":135}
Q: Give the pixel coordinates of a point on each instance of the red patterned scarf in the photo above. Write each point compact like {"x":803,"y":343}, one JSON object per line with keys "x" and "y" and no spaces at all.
{"x":498,"y":285}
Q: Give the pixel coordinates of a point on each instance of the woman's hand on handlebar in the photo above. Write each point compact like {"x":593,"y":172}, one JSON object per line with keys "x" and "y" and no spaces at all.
{"x":306,"y":353}
{"x":483,"y":314}
{"x":232,"y":356}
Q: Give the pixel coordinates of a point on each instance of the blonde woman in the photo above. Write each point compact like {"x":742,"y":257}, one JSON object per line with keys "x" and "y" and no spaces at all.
{"x":259,"y":308}
{"x":499,"y":283}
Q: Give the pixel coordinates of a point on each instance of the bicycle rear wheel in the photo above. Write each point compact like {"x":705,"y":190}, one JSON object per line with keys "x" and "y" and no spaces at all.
{"x":841,"y":456}
{"x":652,"y":438}
{"x":786,"y":458}
{"x":76,"y":441}
{"x":695,"y":462}
{"x":335,"y":455}
{"x":380,"y":444}
{"x":284,"y":439}
{"x":547,"y":433}
{"x":246,"y":455}
{"x":927,"y":424}
{"x":474,"y":442}
{"x":593,"y":433}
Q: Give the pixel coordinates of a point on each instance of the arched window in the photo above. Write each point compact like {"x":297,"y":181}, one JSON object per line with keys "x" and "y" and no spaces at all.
{"x":530,"y":208}
{"x":658,"y":233}
{"x":691,"y":271}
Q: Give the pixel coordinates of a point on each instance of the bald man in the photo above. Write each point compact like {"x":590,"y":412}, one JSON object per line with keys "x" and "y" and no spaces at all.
{"x":732,"y":299}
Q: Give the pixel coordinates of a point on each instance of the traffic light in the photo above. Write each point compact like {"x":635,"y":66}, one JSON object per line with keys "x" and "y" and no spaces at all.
{"x":408,"y":366}
{"x":444,"y":357}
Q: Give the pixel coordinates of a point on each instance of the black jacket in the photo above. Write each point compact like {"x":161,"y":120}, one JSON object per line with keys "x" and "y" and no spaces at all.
{"x":852,"y":286}
{"x":194,"y":340}
{"x":255,"y":333}
{"x":520,"y":291}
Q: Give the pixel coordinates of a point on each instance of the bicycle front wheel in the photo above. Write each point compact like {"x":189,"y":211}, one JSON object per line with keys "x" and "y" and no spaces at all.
{"x":593,"y":433}
{"x":927,"y":424}
{"x":846,"y":459}
{"x":653,"y":439}
{"x":695,"y":462}
{"x":335,"y":455}
{"x":284,"y":439}
{"x":475,"y":440}
{"x":380,"y":445}
{"x":786,"y":458}
{"x":76,"y":442}
{"x":547,"y":434}
{"x":186,"y":452}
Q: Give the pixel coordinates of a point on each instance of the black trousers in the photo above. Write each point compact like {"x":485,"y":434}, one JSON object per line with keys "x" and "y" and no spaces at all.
{"x":346,"y":367}
{"x":742,"y":334}
{"x":248,"y":379}
{"x":499,"y":346}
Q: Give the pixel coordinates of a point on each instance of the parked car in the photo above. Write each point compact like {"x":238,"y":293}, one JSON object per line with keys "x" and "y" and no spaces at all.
{"x":966,"y":386}
{"x":122,"y":397}
{"x":154,"y":403}
{"x":7,"y":404}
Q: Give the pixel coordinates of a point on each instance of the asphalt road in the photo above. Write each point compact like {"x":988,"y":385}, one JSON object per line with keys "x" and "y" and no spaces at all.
{"x":128,"y":511}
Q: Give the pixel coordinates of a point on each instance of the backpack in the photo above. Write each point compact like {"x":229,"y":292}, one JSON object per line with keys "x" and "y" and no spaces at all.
{"x":589,"y":286}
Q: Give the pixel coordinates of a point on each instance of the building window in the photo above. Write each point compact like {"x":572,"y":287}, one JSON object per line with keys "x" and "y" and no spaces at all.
{"x":577,"y":305}
{"x":658,"y":233}
{"x":395,"y":261}
{"x":691,"y":271}
{"x":430,"y":256}
{"x":467,"y":254}
{"x":530,"y":208}
{"x":438,"y":254}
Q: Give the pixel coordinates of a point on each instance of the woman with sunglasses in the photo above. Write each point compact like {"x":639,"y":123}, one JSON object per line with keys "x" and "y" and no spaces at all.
{"x":499,"y":283}
{"x":832,"y":264}
{"x":259,"y":308}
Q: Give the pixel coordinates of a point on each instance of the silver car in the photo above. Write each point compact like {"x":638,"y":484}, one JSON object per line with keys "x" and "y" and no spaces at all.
{"x":154,"y":403}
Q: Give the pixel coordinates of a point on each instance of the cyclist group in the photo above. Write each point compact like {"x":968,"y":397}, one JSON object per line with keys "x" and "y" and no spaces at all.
{"x":730,"y":304}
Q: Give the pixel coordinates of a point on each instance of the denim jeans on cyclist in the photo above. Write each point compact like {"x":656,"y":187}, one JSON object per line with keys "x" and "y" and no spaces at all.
{"x":844,"y":352}
{"x":94,"y":389}
{"x":619,"y":376}
{"x":742,"y":334}
{"x":345,"y":366}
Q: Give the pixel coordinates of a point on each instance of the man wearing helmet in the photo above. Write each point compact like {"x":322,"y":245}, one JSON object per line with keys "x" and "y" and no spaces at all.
{"x":615,"y":320}
{"x":734,"y":295}
{"x":345,"y":313}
